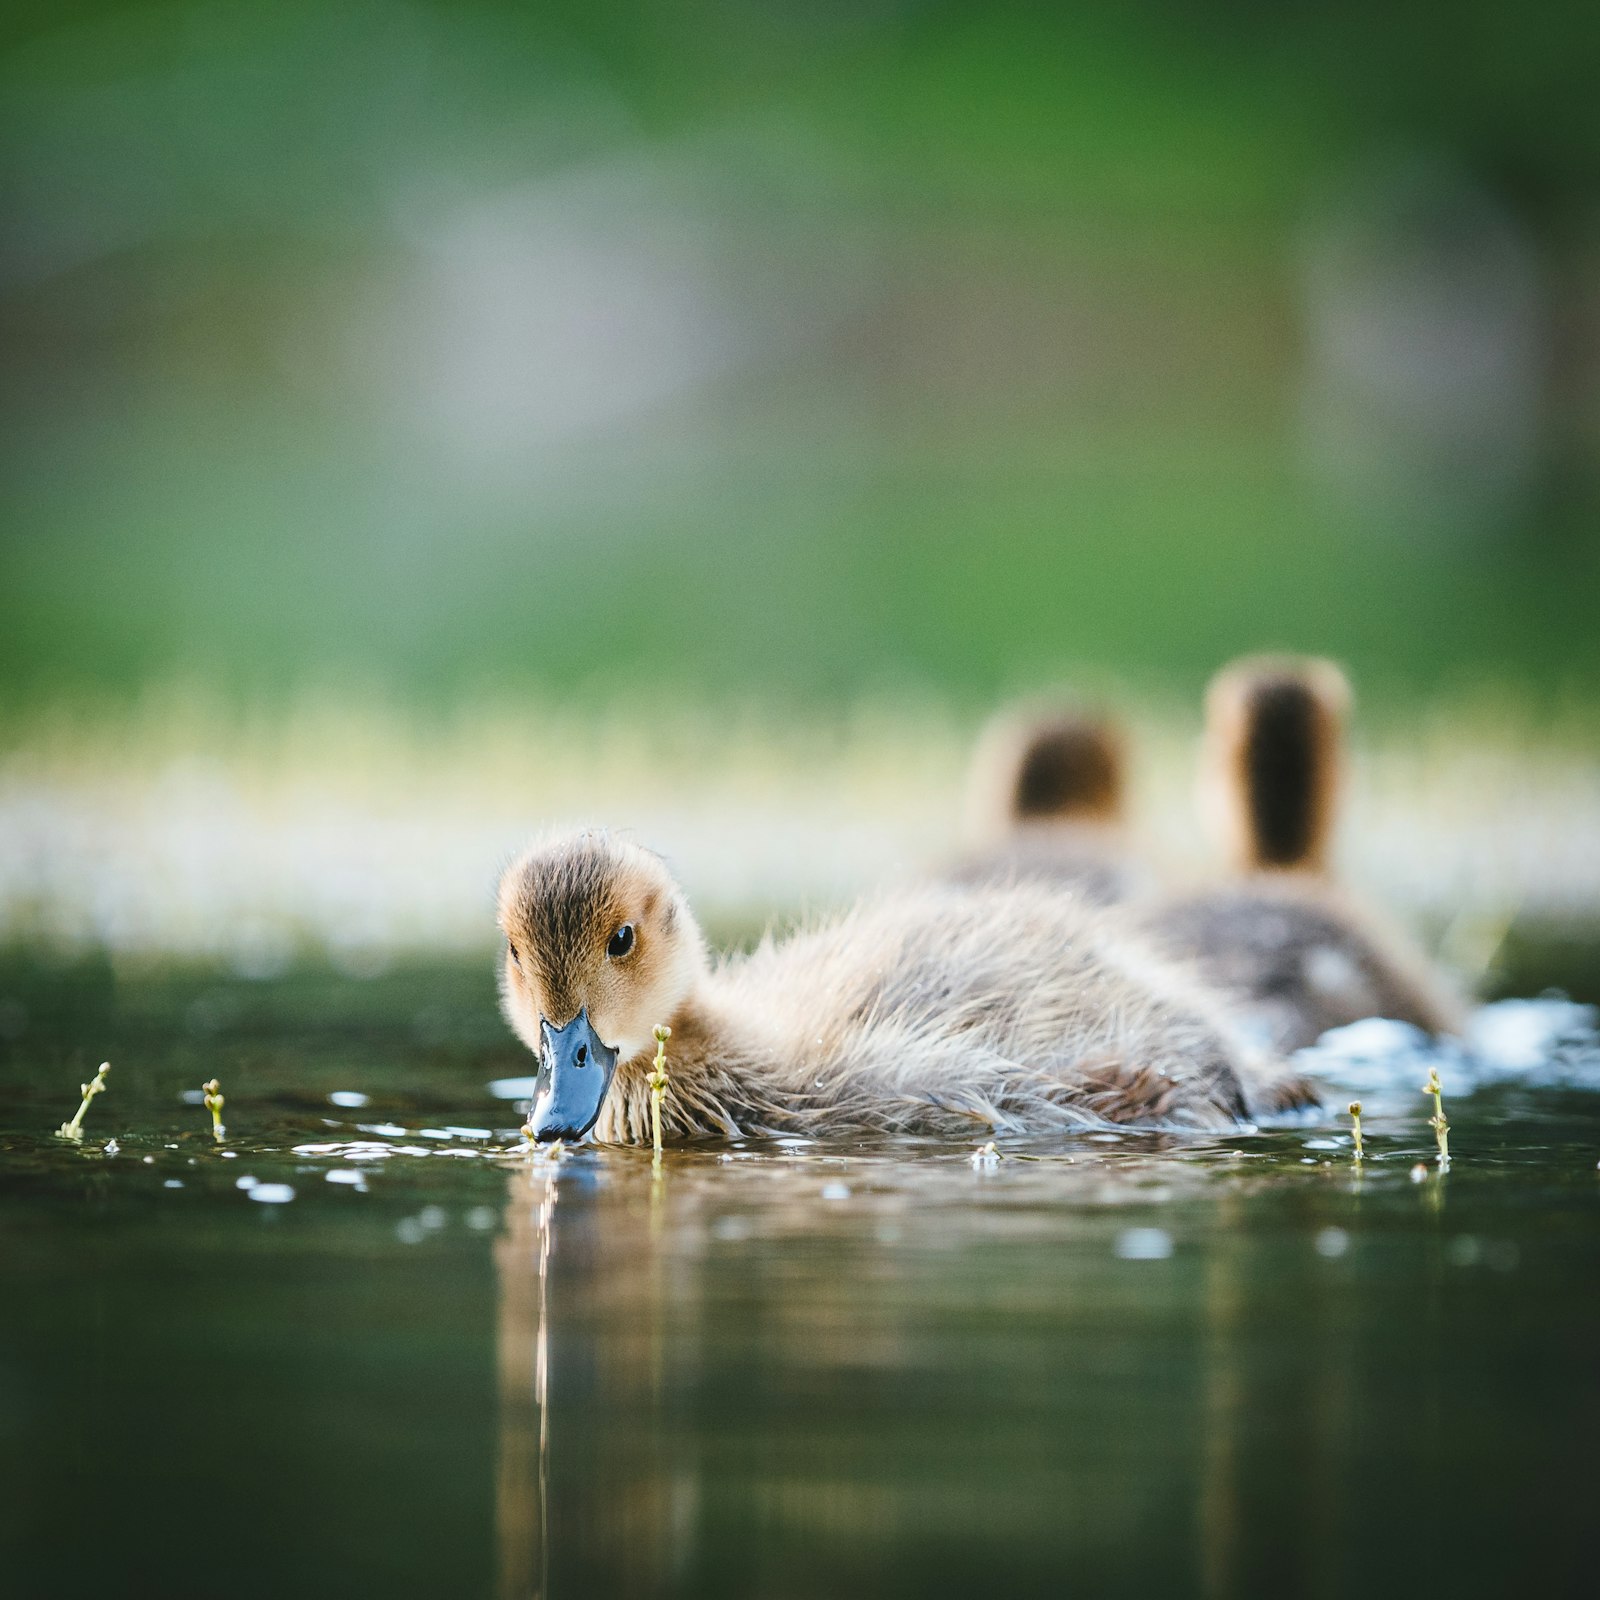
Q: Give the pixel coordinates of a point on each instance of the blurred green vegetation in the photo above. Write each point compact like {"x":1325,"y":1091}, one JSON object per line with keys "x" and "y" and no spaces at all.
{"x":947,"y":345}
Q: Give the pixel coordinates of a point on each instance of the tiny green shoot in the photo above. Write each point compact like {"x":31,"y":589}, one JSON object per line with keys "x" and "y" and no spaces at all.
{"x":74,"y":1130}
{"x":1355,"y":1117}
{"x":657,"y":1079}
{"x":214,"y":1103}
{"x":1441,"y":1128}
{"x":552,"y":1151}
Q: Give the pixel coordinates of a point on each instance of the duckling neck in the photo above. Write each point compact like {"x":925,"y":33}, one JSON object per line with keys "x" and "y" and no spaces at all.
{"x":720,"y":1081}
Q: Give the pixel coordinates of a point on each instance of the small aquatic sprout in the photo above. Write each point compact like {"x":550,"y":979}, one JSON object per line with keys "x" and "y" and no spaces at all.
{"x":657,"y":1079}
{"x":1355,"y":1117}
{"x":1441,"y":1128}
{"x":986,"y":1157}
{"x":214,"y":1103}
{"x":74,"y":1130}
{"x":1419,"y":1173}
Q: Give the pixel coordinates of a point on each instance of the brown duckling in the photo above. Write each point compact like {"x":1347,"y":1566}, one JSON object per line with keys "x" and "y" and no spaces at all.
{"x":1296,"y":953}
{"x":937,"y":1010}
{"x":1047,"y":797}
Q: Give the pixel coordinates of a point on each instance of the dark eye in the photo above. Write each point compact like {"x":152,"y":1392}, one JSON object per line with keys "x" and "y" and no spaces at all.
{"x":513,"y":949}
{"x":621,"y":942}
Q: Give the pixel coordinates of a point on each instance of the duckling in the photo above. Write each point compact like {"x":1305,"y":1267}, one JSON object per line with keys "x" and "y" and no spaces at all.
{"x":935,"y":1010}
{"x":1047,"y":801}
{"x":1296,"y":953}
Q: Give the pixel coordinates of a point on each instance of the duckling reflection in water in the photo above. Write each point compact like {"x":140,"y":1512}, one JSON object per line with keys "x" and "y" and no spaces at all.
{"x":938,"y":1010}
{"x":1298,"y":955}
{"x":1047,"y":800}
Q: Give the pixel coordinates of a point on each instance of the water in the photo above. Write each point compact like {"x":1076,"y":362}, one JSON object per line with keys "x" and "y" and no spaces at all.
{"x":369,"y":1345}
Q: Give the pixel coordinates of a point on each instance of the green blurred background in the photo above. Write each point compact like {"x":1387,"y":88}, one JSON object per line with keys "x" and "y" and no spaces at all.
{"x":796,"y":352}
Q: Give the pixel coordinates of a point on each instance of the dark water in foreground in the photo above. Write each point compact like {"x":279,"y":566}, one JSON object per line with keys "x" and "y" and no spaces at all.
{"x":375,"y":1349}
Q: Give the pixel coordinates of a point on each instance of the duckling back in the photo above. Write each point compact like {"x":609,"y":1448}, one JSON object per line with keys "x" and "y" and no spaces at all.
{"x":1297,"y":959}
{"x":1005,"y":1007}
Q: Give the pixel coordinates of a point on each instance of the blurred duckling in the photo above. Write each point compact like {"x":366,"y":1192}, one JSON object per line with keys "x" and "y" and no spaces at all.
{"x":1298,"y":956}
{"x":939,"y":1010}
{"x":1047,"y":799}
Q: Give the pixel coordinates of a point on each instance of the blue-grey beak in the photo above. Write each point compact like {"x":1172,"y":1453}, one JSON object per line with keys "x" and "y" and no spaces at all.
{"x":574,"y":1073}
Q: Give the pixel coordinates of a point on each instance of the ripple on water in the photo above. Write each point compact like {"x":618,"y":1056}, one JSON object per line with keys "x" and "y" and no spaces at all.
{"x":1546,"y":1043}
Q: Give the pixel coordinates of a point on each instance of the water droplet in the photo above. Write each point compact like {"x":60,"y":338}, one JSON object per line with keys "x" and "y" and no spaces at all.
{"x":1332,"y":1243}
{"x":1144,"y":1244}
{"x":836,"y":1191}
{"x":352,"y":1098}
{"x":272,"y":1194}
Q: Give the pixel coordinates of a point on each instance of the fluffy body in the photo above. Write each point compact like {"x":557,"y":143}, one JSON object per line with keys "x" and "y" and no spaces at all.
{"x":941,"y":1011}
{"x":1087,"y":860}
{"x":1295,"y":957}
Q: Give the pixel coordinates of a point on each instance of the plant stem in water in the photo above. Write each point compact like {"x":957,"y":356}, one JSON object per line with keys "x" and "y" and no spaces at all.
{"x":214,"y":1104}
{"x":74,"y":1130}
{"x":1441,"y":1128}
{"x":658,"y":1085}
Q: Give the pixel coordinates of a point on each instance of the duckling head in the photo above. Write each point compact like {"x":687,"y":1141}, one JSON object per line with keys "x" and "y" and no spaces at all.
{"x":1271,"y":759}
{"x":600,"y":947}
{"x":1038,"y":765}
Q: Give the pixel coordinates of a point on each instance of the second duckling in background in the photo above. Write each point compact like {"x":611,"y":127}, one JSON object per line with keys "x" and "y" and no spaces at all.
{"x":1296,"y":952}
{"x":1047,"y":801}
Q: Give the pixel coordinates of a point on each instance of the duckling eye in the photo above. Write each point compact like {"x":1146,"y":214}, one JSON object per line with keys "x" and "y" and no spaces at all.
{"x":621,"y":942}
{"x":514,"y":956}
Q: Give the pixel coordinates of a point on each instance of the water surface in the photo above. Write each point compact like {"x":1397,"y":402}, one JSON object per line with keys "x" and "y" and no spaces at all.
{"x":370,"y":1344}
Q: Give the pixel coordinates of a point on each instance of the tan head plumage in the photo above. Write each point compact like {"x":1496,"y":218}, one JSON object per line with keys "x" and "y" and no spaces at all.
{"x":595,"y":922}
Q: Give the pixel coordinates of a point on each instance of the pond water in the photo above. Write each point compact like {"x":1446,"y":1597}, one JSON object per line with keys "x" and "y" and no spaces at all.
{"x":368,"y":1344}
